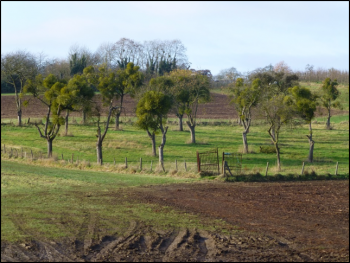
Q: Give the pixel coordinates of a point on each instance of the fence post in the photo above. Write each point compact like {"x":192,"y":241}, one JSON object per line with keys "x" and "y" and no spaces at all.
{"x":302,"y":169}
{"x":126,"y":162}
{"x":151,"y":164}
{"x":185,"y":166}
{"x":336,"y":170}
{"x":217,"y":159}
{"x":267,"y":168}
{"x":31,"y":153}
{"x":141,"y":163}
{"x":175,"y":164}
{"x":198,"y":163}
{"x":22,"y":152}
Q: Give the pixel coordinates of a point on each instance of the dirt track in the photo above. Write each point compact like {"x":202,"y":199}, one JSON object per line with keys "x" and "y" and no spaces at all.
{"x":294,"y":221}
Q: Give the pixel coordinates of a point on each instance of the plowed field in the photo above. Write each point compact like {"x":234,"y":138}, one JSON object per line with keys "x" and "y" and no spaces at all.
{"x":294,"y":221}
{"x":217,"y":108}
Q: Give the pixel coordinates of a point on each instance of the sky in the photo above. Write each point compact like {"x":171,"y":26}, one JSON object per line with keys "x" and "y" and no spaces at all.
{"x":217,"y":35}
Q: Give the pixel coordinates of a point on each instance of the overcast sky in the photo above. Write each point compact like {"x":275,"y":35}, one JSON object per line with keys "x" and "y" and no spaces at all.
{"x":217,"y":35}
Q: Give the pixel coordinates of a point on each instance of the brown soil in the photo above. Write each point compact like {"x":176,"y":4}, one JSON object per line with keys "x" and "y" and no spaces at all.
{"x":294,"y":221}
{"x":218,"y":108}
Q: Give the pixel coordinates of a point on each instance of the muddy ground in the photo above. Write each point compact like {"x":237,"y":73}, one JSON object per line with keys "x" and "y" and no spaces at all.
{"x":218,"y":108}
{"x":289,"y":221}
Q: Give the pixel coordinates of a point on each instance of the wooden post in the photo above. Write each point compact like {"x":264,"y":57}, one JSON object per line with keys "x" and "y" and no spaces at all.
{"x":22,"y":152}
{"x":198,"y":163}
{"x":141,"y":163}
{"x":31,"y":153}
{"x":217,"y":159}
{"x":176,"y":164}
{"x":223,"y":164}
{"x":185,"y":166}
{"x":336,"y":170}
{"x":267,"y":168}
{"x":302,"y":169}
{"x":114,"y":160}
{"x":126,"y":162}
{"x":151,"y":164}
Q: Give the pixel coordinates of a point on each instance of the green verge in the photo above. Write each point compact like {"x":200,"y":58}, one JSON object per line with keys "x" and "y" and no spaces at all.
{"x":54,"y":203}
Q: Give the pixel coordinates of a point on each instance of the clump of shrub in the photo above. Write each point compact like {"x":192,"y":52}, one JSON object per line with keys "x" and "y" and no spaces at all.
{"x":267,"y":149}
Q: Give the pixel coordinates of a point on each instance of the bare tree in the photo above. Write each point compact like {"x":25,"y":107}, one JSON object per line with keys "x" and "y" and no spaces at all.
{"x":16,"y":69}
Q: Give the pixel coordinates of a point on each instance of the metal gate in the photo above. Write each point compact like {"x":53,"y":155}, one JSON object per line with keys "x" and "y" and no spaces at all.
{"x":233,"y":162}
{"x":208,"y":161}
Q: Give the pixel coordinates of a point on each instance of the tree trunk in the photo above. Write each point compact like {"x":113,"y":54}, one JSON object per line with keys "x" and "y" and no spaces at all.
{"x":278,"y":157}
{"x":162,"y":145}
{"x":273,"y":134}
{"x":117,"y":116}
{"x":19,"y":117}
{"x":49,"y":148}
{"x":161,"y":156}
{"x":66,"y":122}
{"x":99,"y":151}
{"x":328,"y":124}
{"x":153,"y":139}
{"x":117,"y":121}
{"x":180,"y":123}
{"x":310,"y":158}
{"x":192,"y":130}
{"x":84,"y":117}
{"x":154,"y":153}
{"x":245,"y":142}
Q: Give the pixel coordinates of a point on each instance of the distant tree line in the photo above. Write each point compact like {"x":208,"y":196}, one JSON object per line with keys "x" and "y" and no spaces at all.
{"x":310,"y":74}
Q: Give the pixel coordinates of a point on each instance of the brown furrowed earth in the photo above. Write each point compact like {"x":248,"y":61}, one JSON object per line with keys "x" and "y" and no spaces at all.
{"x":289,"y":221}
{"x":218,"y":108}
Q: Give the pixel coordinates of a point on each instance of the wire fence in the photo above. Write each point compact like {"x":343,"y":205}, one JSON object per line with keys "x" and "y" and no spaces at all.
{"x":207,"y":161}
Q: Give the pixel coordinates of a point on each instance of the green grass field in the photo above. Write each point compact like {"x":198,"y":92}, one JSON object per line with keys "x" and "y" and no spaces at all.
{"x":331,"y":146}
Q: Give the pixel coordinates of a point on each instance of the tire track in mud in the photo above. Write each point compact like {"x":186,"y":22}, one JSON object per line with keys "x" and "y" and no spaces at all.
{"x":83,"y":241}
{"x":43,"y":250}
{"x":109,"y":244}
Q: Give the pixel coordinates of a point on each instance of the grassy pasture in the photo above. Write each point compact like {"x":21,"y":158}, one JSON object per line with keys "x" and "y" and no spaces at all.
{"x":331,"y":146}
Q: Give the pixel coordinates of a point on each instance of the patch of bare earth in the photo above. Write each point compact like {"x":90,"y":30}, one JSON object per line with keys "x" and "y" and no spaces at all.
{"x":218,"y":108}
{"x":294,"y":221}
